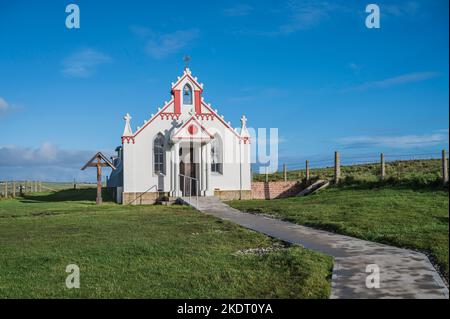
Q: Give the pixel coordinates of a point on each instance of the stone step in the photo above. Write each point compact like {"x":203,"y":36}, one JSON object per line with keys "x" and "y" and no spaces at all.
{"x":167,"y":200}
{"x":314,"y":187}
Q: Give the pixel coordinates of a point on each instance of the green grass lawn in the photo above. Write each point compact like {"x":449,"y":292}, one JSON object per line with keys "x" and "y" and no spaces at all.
{"x":143,"y":252}
{"x":416,"y":219}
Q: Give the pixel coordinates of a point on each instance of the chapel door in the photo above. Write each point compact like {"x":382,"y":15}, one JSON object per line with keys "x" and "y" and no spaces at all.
{"x":192,"y":172}
{"x":181,"y":177}
{"x":188,"y":186}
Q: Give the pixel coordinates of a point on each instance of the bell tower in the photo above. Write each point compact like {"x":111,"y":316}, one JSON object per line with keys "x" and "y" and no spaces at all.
{"x":187,"y":92}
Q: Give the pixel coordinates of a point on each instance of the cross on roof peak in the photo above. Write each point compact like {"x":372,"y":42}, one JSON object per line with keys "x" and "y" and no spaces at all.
{"x":186,"y":60}
{"x":243,"y":120}
{"x":127,"y":117}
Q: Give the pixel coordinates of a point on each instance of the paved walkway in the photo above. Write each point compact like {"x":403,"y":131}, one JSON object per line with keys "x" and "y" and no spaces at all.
{"x":403,"y":273}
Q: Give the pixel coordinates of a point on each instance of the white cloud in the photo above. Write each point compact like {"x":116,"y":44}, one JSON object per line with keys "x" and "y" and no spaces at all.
{"x":401,"y":141}
{"x":353,"y":66}
{"x":84,"y":62}
{"x":4,"y":106}
{"x":356,"y":68}
{"x":393,"y":81}
{"x":406,"y":8}
{"x":305,"y":15}
{"x":141,"y":31}
{"x":299,"y":15}
{"x":46,"y":154}
{"x":160,"y":46}
{"x":46,"y":162}
{"x":238,"y":10}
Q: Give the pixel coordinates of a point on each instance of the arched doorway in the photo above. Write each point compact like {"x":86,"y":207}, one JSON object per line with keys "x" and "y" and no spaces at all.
{"x":188,"y":168}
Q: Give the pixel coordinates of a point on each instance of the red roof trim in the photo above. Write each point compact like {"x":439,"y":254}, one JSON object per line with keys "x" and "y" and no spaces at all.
{"x":221,"y":119}
{"x":153,"y":118}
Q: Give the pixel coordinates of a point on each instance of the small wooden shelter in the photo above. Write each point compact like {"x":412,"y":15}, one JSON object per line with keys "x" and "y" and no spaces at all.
{"x":99,"y":160}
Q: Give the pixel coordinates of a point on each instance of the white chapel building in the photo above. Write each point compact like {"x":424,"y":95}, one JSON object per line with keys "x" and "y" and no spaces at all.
{"x":185,"y":148}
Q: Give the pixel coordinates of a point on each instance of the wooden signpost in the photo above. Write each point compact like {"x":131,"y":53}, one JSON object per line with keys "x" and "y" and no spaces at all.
{"x":98,"y":160}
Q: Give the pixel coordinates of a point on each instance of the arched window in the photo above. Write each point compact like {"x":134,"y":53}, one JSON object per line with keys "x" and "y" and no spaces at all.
{"x":187,"y":95}
{"x":216,"y":155}
{"x":158,"y":154}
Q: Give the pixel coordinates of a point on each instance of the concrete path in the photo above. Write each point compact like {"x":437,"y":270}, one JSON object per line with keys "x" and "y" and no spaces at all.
{"x":403,"y":273}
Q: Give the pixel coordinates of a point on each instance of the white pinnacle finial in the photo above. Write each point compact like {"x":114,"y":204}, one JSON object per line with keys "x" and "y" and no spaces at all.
{"x":127,"y":130}
{"x":244,"y":131}
{"x":244,"y":121}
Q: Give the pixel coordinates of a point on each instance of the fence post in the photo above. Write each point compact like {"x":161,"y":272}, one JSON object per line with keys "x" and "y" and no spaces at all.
{"x":6,"y":189}
{"x":444,"y":168}
{"x":40,"y":186}
{"x":14,"y":189}
{"x":337,"y":167}
{"x":284,"y":172}
{"x":267,"y":175}
{"x":307,"y":170}
{"x":383,"y":167}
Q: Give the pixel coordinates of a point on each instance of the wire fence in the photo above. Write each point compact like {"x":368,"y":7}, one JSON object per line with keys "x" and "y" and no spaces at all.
{"x":417,"y":168}
{"x":12,"y":189}
{"x":423,"y":169}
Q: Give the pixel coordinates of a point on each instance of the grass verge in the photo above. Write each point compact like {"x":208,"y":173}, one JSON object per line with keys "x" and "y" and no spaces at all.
{"x":143,"y":252}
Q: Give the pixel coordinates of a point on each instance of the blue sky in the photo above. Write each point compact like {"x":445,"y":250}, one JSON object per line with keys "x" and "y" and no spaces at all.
{"x":309,"y":68}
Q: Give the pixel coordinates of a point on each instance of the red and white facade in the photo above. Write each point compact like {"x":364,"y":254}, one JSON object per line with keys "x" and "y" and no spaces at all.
{"x":185,"y":148}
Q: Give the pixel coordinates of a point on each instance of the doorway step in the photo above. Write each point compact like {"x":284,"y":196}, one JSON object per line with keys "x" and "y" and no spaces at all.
{"x":167,"y":200}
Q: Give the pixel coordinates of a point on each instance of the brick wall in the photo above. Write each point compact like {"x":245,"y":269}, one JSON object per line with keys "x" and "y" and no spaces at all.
{"x":271,"y":190}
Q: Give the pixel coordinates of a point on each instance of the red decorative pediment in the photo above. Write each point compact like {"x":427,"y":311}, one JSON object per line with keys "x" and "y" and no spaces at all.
{"x":192,"y":130}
